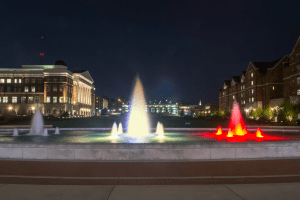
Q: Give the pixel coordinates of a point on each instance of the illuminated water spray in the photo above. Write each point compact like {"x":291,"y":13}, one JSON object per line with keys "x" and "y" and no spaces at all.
{"x":138,"y":121}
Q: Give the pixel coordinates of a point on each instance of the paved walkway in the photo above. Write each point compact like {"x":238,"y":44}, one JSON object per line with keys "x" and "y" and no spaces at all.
{"x":254,"y":179}
{"x":274,"y":191}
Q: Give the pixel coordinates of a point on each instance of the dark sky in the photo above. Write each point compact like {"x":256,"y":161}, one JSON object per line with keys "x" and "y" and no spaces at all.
{"x":181,"y":49}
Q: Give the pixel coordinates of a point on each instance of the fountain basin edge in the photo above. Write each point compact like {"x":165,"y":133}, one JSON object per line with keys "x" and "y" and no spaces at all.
{"x":150,"y":151}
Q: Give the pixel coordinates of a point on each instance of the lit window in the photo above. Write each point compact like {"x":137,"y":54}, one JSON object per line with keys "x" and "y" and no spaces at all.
{"x":298,"y":92}
{"x":5,"y":99}
{"x":16,"y":80}
{"x":252,"y":99}
{"x":251,"y":82}
{"x":2,"y":80}
{"x":54,"y":99}
{"x":30,"y":99}
{"x":54,"y":88}
{"x":251,"y":74}
{"x":249,"y":99}
{"x":48,"y":99}
{"x":232,"y":96}
{"x":0,"y":99}
{"x":32,"y":88}
{"x":61,"y":99}
{"x":8,"y":80}
{"x":14,"y":100}
{"x":273,"y":88}
{"x":61,"y":88}
{"x":252,"y":90}
{"x":243,"y":86}
{"x":20,"y":80}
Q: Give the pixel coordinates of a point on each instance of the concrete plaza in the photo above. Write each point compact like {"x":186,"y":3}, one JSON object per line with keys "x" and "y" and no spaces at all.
{"x":271,"y":191}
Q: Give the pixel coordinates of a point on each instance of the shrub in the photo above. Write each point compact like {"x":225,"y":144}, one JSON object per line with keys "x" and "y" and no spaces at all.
{"x":288,"y":112}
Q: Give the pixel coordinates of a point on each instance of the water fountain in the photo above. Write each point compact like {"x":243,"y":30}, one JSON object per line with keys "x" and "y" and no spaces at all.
{"x":56,"y":131}
{"x":15,"y":132}
{"x":138,"y":126}
{"x":114,"y":131}
{"x":204,"y":146}
{"x":45,"y":132}
{"x":37,"y":124}
{"x":120,"y":129}
{"x":160,"y":130}
{"x":237,"y":131}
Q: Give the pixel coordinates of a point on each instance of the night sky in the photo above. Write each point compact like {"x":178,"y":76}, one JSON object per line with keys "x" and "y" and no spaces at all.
{"x":182,"y":50}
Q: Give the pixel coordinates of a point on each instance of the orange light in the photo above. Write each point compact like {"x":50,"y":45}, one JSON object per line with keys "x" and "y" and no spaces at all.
{"x":258,"y":133}
{"x":219,"y":131}
{"x":230,"y":133}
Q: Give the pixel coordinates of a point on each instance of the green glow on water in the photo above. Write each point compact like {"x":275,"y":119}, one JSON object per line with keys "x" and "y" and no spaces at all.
{"x":96,"y":137}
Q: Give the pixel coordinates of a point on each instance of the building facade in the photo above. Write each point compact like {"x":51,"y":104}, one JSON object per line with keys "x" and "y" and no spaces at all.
{"x":100,"y":104}
{"x":264,"y":83}
{"x":49,"y":88}
{"x":84,"y":93}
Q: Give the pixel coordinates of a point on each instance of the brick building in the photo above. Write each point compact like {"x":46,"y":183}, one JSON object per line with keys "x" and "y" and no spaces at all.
{"x":264,"y":83}
{"x":49,"y":88}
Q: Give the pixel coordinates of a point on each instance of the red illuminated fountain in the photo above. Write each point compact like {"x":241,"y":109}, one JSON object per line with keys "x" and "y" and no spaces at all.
{"x":237,"y":131}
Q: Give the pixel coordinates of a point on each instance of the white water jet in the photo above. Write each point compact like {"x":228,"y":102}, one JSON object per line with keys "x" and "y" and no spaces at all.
{"x":15,"y":132}
{"x":56,"y":131}
{"x":120,"y":129}
{"x":160,"y":130}
{"x":37,"y":124}
{"x":138,"y":121}
{"x":45,"y":132}
{"x":114,"y":131}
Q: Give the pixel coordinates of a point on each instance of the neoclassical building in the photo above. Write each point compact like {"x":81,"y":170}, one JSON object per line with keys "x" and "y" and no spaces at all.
{"x":52,"y":89}
{"x":83,"y":93}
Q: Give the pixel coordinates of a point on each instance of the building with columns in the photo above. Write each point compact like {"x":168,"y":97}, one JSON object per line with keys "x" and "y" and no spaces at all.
{"x":83,"y":93}
{"x":52,"y":89}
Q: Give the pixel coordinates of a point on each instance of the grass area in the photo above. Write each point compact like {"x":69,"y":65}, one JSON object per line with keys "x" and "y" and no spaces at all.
{"x":107,"y":122}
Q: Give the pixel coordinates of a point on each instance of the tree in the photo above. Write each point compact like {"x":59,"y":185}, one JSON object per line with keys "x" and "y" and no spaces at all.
{"x":257,"y":113}
{"x":253,"y":113}
{"x":268,"y":113}
{"x":288,"y":112}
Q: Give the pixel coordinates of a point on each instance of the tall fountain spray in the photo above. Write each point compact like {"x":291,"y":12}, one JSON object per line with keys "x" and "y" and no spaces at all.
{"x":138,"y":121}
{"x":37,"y":124}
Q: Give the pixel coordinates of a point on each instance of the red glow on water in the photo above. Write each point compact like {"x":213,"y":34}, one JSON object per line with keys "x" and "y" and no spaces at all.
{"x":237,"y":131}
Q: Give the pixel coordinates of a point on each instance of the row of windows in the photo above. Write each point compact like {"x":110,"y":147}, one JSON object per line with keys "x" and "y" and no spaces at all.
{"x":61,"y":100}
{"x":26,"y":89}
{"x":55,"y":79}
{"x":61,"y":88}
{"x":23,"y":99}
{"x":16,"y":80}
